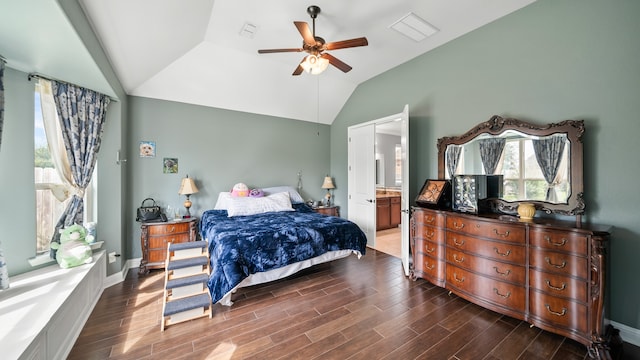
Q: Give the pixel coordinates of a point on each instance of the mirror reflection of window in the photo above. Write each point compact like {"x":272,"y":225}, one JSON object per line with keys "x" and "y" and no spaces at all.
{"x":523,"y":176}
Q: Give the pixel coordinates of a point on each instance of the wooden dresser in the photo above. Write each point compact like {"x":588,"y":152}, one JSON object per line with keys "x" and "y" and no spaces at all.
{"x":548,"y":273}
{"x":155,"y":236}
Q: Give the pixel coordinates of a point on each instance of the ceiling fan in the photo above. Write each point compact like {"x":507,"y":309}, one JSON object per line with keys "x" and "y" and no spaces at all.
{"x":317,"y":60}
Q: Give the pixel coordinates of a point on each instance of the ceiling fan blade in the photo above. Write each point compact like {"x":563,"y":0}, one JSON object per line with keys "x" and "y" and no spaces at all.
{"x":337,"y":63}
{"x":299,"y":69}
{"x":268,"y":51}
{"x":306,"y":33}
{"x":361,"y":41}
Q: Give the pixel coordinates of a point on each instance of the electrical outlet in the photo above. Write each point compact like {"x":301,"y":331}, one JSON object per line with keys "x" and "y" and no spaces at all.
{"x":112,"y":257}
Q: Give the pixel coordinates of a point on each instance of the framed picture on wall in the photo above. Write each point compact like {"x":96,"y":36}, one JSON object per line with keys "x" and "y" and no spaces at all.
{"x":147,"y":149}
{"x":170,"y":165}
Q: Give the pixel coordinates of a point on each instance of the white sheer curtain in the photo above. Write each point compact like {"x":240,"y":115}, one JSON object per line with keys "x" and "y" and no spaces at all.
{"x":56,"y":145}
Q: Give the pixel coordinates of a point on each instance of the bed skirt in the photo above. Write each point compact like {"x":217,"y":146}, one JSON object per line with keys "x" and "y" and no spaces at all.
{"x":283,"y":272}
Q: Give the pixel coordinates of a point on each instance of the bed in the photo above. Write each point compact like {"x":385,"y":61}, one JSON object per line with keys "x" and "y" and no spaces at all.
{"x":252,"y":247}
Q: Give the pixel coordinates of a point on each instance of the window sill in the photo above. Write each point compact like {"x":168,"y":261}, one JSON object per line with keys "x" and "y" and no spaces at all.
{"x":41,"y":260}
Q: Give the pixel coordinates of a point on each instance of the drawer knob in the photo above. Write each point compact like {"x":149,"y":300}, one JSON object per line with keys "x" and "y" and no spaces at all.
{"x":430,"y":234}
{"x":429,"y":219}
{"x":502,"y":254}
{"x":559,"y":266}
{"x":501,"y":295}
{"x":548,"y":238}
{"x":563,"y":313}
{"x":172,"y":229}
{"x":429,"y":250}
{"x":455,"y":276}
{"x":459,"y":260}
{"x":564,"y":286}
{"x":455,"y":241}
{"x":506,"y":273}
{"x":504,"y":234}
{"x":460,"y":226}
{"x":430,"y":267}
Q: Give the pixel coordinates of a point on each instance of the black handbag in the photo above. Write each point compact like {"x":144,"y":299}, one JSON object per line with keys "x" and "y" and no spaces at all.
{"x":149,"y":213}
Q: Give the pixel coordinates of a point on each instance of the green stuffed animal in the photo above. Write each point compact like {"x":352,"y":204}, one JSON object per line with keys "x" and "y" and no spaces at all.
{"x":73,"y":249}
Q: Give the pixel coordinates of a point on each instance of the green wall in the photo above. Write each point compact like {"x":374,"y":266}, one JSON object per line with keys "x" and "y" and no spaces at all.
{"x":219,"y":148}
{"x":551,"y":61}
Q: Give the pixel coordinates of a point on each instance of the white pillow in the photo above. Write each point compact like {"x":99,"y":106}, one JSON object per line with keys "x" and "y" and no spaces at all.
{"x":293,"y":193}
{"x":241,"y":206}
{"x":223,"y":201}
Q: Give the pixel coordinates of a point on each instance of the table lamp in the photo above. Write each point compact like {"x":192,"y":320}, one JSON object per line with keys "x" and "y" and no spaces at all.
{"x":328,"y":184}
{"x":187,"y":187}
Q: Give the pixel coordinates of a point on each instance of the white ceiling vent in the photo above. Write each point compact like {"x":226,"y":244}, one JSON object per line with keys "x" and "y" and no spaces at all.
{"x":414,"y":27}
{"x":248,"y":30}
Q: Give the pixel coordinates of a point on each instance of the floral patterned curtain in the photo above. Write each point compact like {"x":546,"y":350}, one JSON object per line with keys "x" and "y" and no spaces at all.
{"x":4,"y":273}
{"x":82,"y":114}
{"x":549,"y":155}
{"x":490,"y":153}
{"x":452,"y":155}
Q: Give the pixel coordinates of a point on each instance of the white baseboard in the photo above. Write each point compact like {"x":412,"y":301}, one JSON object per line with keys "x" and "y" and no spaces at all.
{"x":628,"y":334}
{"x":120,"y":275}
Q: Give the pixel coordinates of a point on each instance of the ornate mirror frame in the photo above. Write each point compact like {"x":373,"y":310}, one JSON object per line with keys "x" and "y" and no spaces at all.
{"x":574,"y":129}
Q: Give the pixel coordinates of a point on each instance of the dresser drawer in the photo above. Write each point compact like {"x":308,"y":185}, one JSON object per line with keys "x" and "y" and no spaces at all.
{"x":496,"y":269}
{"x":502,"y":251}
{"x":167,"y":229}
{"x":429,"y":248}
{"x":558,"y":285}
{"x":488,"y":229}
{"x":560,"y":312}
{"x":162,"y":241}
{"x":559,"y":240}
{"x":430,"y":233}
{"x":497,"y":292}
{"x":429,"y":268}
{"x":560,"y":263}
{"x":428,"y":217}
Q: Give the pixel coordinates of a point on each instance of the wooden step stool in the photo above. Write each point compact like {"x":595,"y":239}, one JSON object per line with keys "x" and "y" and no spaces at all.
{"x":186,"y":295}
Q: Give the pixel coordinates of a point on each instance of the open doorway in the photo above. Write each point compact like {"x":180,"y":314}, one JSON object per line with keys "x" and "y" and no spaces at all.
{"x":364,"y":193}
{"x":388,"y":152}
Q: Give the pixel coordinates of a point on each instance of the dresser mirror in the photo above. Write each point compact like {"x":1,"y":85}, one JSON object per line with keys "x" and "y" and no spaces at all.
{"x":541,"y":164}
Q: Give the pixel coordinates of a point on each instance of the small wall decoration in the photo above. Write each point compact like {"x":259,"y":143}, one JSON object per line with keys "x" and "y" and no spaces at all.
{"x":147,"y":149}
{"x":170,"y":165}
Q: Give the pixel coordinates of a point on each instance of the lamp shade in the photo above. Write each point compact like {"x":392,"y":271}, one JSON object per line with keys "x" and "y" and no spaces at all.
{"x":328,"y":183}
{"x":188,"y":186}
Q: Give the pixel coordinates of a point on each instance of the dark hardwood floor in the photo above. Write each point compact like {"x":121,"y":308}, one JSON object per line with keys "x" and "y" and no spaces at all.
{"x":346,"y":309}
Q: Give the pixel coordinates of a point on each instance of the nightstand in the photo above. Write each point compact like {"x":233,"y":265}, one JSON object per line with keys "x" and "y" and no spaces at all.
{"x":155,"y":236}
{"x":328,"y":210}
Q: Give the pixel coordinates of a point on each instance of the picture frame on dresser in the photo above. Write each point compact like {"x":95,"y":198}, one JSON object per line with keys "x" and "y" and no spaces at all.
{"x":435,"y":193}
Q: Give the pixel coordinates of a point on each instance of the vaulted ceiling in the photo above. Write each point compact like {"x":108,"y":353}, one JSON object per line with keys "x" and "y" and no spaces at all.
{"x":197,"y":52}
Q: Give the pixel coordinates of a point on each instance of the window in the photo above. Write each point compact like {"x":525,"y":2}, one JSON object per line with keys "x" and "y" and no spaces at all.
{"x":48,"y":184}
{"x":523,"y":178}
{"x":398,"y":165}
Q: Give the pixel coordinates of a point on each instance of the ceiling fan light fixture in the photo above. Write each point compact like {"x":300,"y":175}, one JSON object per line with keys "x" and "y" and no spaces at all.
{"x":314,"y":64}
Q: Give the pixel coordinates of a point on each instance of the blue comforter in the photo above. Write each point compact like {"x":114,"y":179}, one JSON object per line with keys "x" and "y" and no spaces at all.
{"x":244,"y":245}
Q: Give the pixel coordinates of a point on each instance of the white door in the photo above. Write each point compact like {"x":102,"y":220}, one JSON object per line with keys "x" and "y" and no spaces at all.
{"x":362,"y":174}
{"x":361,"y":179}
{"x":404,"y":142}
